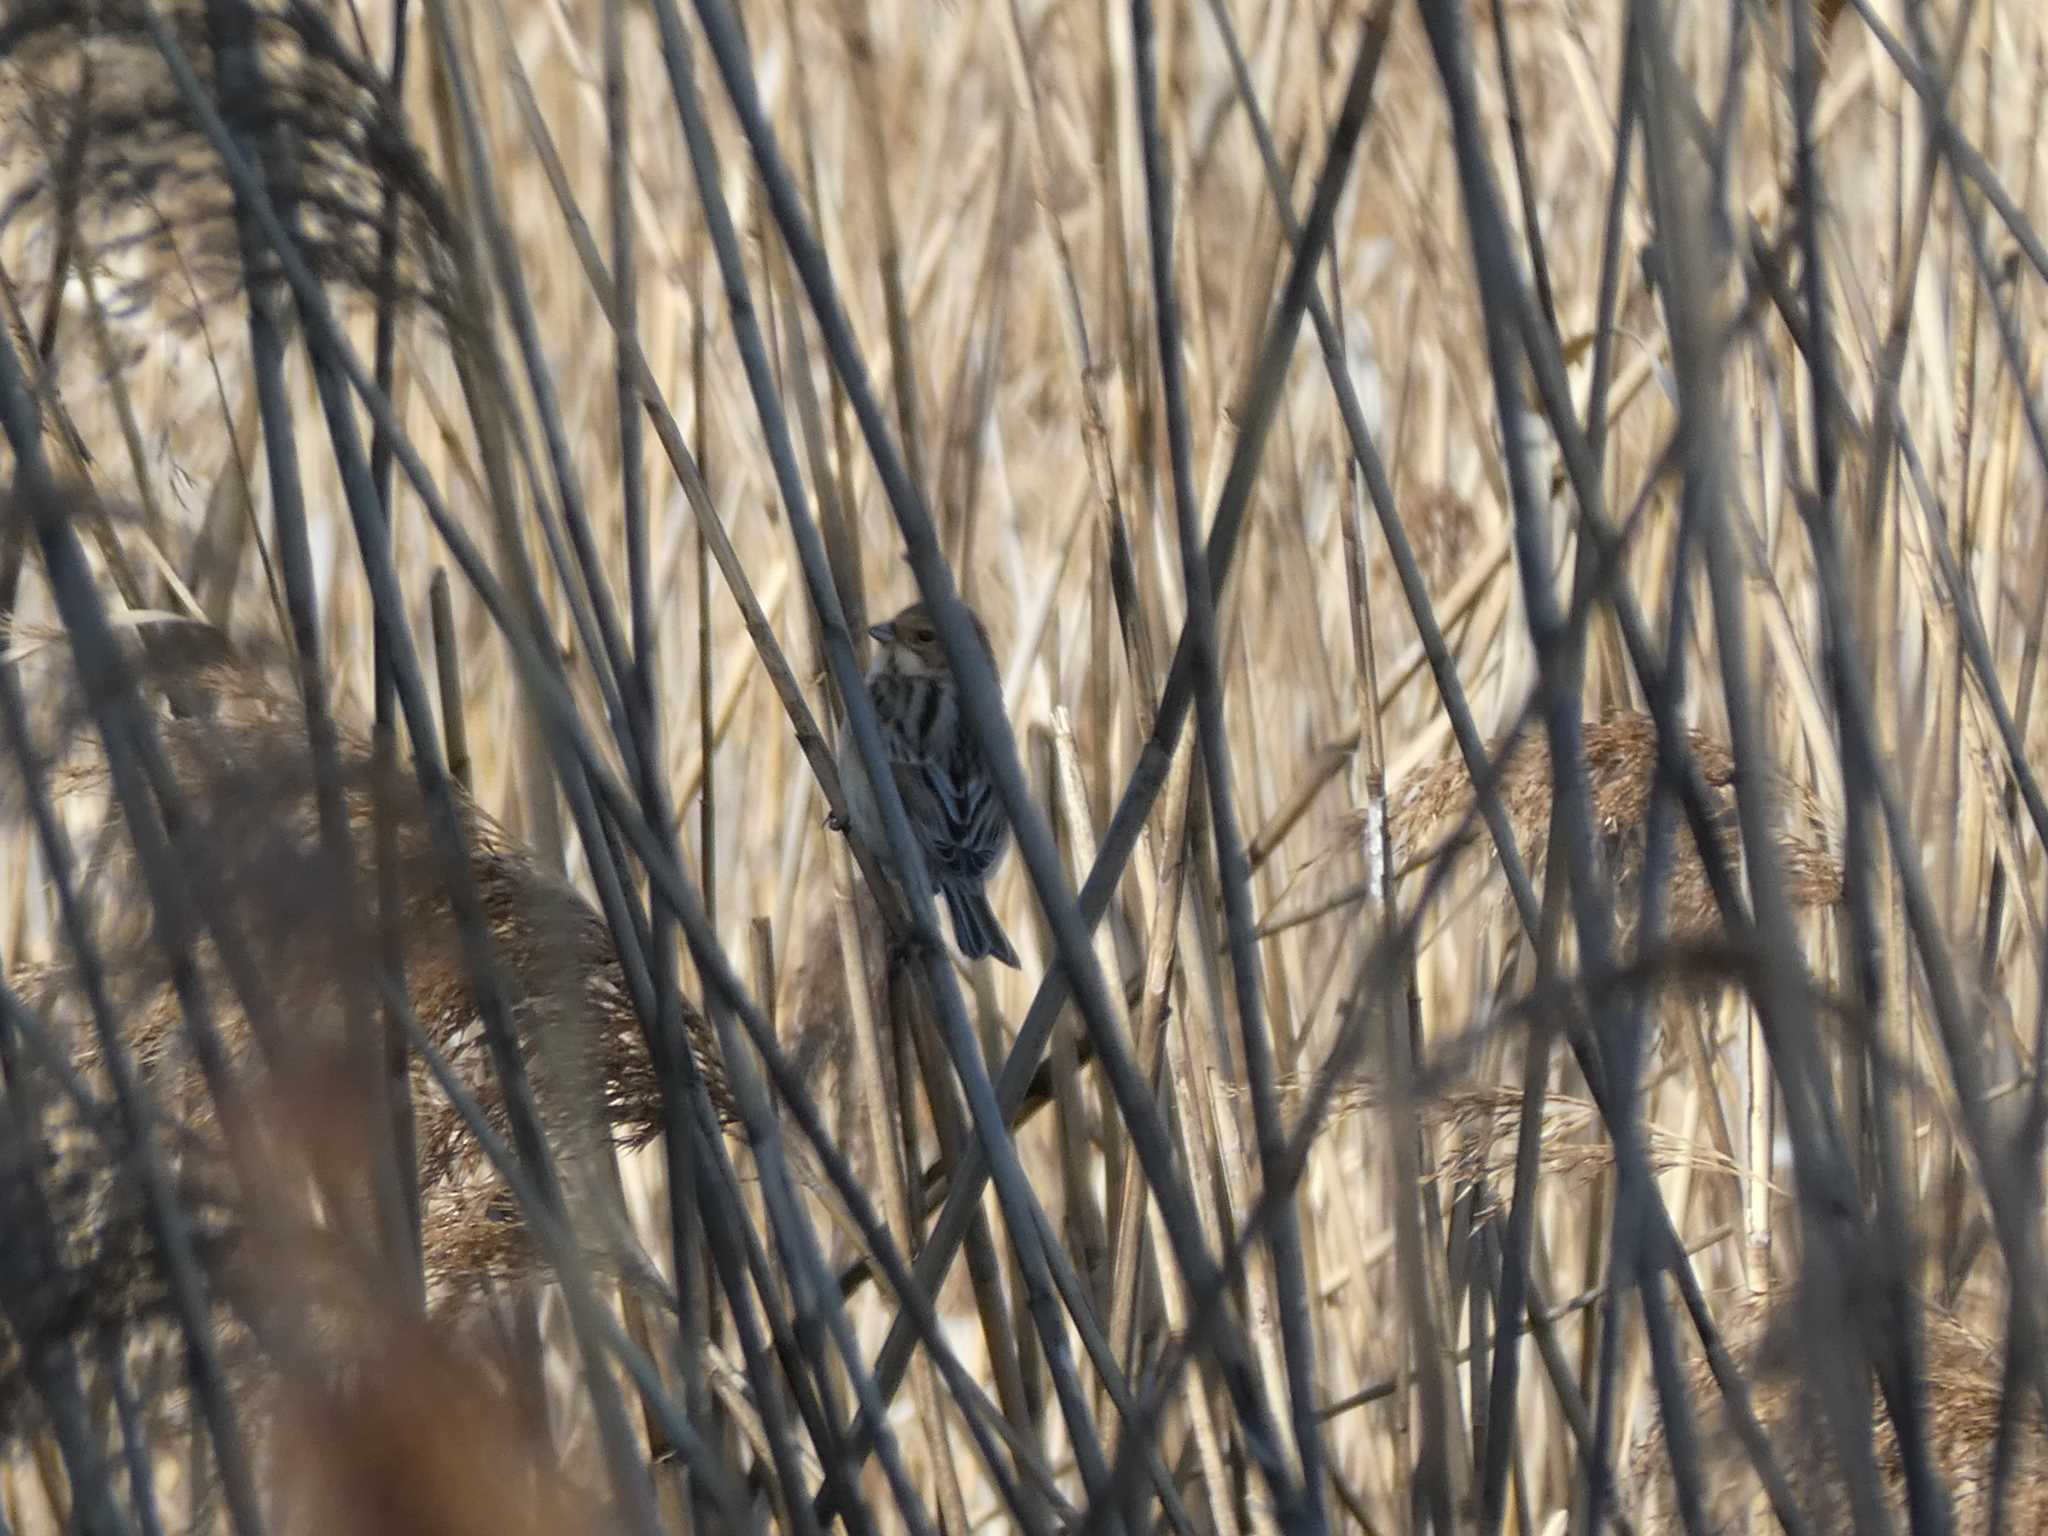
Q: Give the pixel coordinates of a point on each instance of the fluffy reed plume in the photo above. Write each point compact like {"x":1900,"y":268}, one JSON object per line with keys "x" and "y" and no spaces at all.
{"x":1962,"y":1386}
{"x":107,"y":154}
{"x":1446,"y":531}
{"x":1621,"y":761}
{"x":1474,"y":1129}
{"x":250,"y":842}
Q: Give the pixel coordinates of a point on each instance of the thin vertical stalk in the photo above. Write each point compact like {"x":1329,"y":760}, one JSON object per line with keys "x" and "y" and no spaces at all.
{"x":1296,"y":1322}
{"x":397,"y":1074}
{"x":448,"y":679}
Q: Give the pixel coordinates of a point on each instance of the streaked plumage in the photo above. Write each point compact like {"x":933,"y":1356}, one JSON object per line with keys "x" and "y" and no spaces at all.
{"x":959,"y":820}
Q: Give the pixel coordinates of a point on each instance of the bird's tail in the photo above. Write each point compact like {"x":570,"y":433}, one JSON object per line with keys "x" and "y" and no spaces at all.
{"x":975,"y":928}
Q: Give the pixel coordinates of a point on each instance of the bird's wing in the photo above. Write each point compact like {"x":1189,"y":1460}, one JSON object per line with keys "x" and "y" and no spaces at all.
{"x":921,"y":803}
{"x":975,"y":815}
{"x":956,"y":812}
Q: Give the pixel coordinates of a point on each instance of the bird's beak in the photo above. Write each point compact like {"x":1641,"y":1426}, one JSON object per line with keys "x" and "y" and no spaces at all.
{"x":882,"y":632}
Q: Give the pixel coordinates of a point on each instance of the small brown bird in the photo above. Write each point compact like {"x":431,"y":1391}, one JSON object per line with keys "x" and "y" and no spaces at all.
{"x":947,"y":791}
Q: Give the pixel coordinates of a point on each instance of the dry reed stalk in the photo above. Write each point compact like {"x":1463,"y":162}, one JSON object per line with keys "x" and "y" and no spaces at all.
{"x":1083,"y":1218}
{"x":1134,"y":1218}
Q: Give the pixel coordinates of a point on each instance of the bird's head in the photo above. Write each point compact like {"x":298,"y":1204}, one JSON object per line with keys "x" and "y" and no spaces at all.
{"x":910,"y":644}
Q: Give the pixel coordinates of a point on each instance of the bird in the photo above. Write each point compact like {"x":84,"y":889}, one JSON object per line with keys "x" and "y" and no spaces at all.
{"x":941,"y":773}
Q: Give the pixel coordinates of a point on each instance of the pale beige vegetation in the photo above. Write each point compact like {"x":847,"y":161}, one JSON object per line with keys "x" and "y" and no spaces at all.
{"x":976,"y":177}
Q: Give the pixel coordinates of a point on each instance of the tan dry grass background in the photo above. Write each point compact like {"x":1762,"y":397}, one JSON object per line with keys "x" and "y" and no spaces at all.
{"x":908,"y":124}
